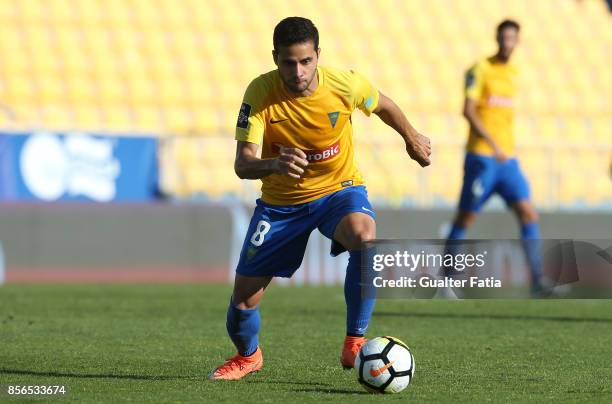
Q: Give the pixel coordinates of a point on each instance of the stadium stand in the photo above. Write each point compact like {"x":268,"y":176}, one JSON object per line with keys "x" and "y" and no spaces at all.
{"x":178,"y":69}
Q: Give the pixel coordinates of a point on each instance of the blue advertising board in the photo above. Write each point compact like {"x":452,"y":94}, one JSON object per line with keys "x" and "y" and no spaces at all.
{"x":46,"y":166}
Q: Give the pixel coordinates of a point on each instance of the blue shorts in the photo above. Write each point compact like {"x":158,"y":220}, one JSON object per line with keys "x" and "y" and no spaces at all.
{"x":276,"y":240}
{"x":484,"y":175}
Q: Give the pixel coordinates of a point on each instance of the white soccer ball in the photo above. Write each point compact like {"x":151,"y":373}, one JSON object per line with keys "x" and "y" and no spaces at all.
{"x":385,"y":365}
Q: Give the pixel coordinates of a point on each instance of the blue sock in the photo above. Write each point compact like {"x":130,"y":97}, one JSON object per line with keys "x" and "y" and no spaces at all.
{"x":242,"y":327}
{"x":358,"y":309}
{"x":530,"y":234}
{"x":457,"y":233}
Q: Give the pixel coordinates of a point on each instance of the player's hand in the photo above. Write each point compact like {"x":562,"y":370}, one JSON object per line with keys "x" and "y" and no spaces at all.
{"x":419,"y":149}
{"x":499,"y":155}
{"x":291,"y":162}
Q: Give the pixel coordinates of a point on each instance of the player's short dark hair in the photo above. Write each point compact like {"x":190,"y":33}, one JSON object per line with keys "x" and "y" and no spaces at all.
{"x":294,"y":30}
{"x":508,"y":24}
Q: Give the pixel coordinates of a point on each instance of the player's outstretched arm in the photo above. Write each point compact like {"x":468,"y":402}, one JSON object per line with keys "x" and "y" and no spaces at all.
{"x":248,"y":166}
{"x":417,"y":145}
{"x":469,"y":112}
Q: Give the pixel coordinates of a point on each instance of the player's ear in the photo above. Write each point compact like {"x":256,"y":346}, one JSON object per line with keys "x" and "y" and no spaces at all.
{"x":275,"y":56}
{"x":318,"y":53}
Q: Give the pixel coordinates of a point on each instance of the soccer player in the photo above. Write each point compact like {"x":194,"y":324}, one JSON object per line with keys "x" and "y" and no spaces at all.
{"x":490,"y":165}
{"x":300,"y":116}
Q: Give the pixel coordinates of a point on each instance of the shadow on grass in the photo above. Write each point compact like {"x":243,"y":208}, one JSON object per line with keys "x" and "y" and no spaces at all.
{"x":309,"y":387}
{"x":329,"y":391}
{"x":293,"y":383}
{"x":494,"y":317}
{"x":4,"y":371}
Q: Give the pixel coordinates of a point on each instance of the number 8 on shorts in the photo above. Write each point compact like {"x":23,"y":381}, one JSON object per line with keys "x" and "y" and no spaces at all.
{"x":261,"y":230}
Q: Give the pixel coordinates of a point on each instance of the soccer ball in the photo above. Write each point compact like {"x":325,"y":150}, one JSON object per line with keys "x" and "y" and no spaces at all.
{"x":384,"y":365}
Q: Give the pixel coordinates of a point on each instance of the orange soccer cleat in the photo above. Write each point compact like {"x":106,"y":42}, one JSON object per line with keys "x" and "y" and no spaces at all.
{"x":238,"y":366}
{"x":350,"y":350}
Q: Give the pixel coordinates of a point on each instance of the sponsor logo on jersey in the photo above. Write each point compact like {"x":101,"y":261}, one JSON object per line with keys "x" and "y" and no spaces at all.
{"x":315,"y":156}
{"x":273,"y":121}
{"x":499,"y":101}
{"x":347,"y":183}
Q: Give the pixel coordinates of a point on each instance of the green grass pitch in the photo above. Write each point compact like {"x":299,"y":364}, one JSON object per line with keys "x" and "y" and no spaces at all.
{"x":158,"y":343}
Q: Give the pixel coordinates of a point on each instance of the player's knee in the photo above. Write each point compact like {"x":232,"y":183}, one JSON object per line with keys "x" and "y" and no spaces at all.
{"x":248,"y":291}
{"x":366,"y":235}
{"x":529,"y":216}
{"x":247,"y":303}
{"x":465,"y":219}
{"x":244,"y":305}
{"x":360,"y":235}
{"x":526,"y":213}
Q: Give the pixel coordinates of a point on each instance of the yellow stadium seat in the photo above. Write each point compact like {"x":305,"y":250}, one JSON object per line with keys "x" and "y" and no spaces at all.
{"x":82,"y":90}
{"x":20,"y":89}
{"x":89,"y":12}
{"x":205,"y":122}
{"x":143,"y":91}
{"x":548,"y":130}
{"x":575,"y":130}
{"x":112,"y":89}
{"x":88,"y":117}
{"x":149,"y":120}
{"x":118,"y":13}
{"x":118,"y":117}
{"x":524,"y":131}
{"x":148,"y":13}
{"x":177,"y":120}
{"x":52,"y":89}
{"x":74,"y":61}
{"x":602,"y":130}
{"x":31,"y":10}
{"x":8,"y":11}
{"x":171,"y":92}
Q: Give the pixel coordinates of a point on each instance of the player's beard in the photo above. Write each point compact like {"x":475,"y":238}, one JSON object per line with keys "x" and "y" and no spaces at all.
{"x":298,"y":88}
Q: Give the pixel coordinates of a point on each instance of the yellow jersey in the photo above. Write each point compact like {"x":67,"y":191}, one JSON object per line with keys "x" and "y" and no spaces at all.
{"x":319,"y":124}
{"x":493,"y":85}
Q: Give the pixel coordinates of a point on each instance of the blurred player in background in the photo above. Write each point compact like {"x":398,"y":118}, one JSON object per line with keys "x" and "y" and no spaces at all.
{"x":490,"y":163}
{"x":300,"y":116}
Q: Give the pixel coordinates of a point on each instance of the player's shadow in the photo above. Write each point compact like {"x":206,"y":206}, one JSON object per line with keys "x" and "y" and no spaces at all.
{"x":19,"y":372}
{"x":494,"y":317}
{"x":290,"y":382}
{"x":329,"y":391}
{"x":309,"y":387}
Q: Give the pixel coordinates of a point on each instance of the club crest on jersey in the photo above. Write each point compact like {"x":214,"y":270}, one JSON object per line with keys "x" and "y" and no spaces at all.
{"x":333,"y":118}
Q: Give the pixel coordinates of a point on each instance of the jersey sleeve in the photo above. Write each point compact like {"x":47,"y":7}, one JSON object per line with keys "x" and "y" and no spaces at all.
{"x":251,"y":123}
{"x":474,"y":82}
{"x":365,"y":96}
